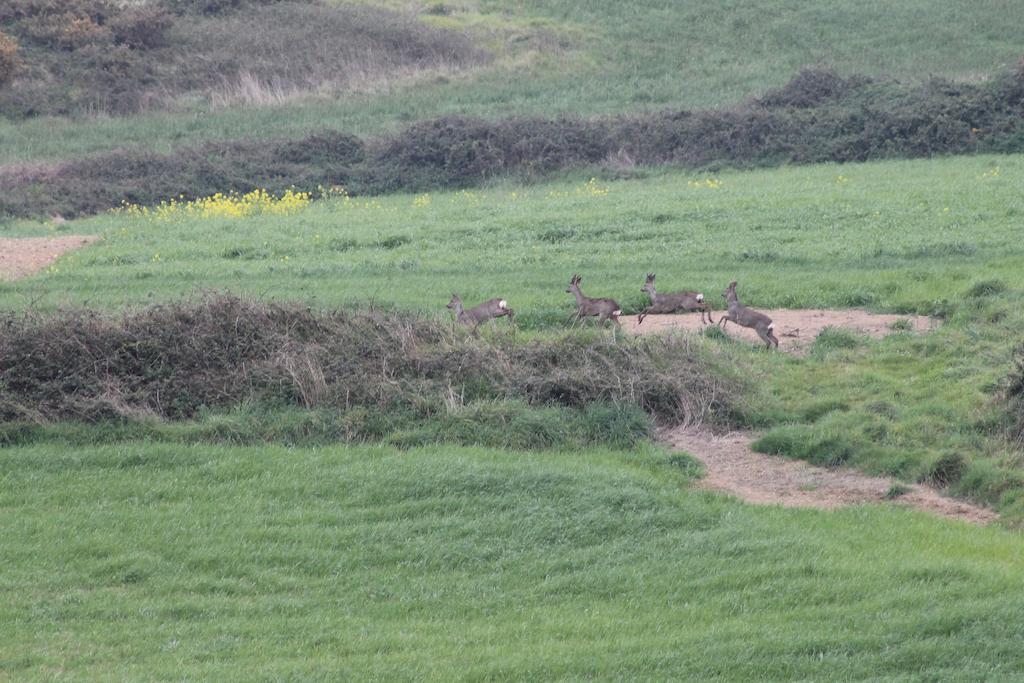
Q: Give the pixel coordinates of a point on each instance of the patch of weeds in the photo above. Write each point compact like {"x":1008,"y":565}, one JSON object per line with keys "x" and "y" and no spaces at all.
{"x":986,"y":288}
{"x":804,"y":443}
{"x":760,"y":256}
{"x":715,"y":332}
{"x":393,"y":242}
{"x":946,"y":470}
{"x":247,"y":253}
{"x":896,"y":490}
{"x":901,"y":325}
{"x":556,"y":235}
{"x":941,"y":250}
{"x":342,"y":244}
{"x":818,"y":410}
{"x":833,"y":339}
{"x":855,"y":299}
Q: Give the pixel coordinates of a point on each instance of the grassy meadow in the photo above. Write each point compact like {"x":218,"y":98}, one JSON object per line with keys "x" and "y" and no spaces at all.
{"x":488,"y":508}
{"x":936,"y":237}
{"x":142,"y":561}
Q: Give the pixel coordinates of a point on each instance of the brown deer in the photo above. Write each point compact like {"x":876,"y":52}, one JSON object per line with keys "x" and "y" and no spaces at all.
{"x":488,"y":310}
{"x":747,"y":317}
{"x":604,"y":309}
{"x":674,"y":303}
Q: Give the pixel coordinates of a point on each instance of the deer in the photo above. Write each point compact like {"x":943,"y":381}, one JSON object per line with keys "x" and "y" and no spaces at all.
{"x":674,"y":303}
{"x":747,"y":317}
{"x":604,"y":309}
{"x":481,"y":313}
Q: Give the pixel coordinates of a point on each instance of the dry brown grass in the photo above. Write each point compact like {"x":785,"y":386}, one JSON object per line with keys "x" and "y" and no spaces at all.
{"x":172,"y":360}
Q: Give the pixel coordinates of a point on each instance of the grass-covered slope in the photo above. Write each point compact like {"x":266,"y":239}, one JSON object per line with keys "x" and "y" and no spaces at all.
{"x":549,"y":58}
{"x":140,"y":561}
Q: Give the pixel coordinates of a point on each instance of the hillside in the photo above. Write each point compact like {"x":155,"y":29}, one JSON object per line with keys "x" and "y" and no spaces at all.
{"x":541,"y":59}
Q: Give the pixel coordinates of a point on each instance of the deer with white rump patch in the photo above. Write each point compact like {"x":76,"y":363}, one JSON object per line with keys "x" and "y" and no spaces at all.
{"x":488,"y":310}
{"x":604,"y":309}
{"x":748,"y":317}
{"x":680,"y":302}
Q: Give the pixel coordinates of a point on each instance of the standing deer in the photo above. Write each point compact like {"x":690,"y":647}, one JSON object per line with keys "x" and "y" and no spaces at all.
{"x":604,"y":309}
{"x":747,"y":317}
{"x":674,"y":303}
{"x":488,"y":310}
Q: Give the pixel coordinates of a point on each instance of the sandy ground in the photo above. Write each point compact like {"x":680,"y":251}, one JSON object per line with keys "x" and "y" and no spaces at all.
{"x":22,"y":256}
{"x":795,"y":328}
{"x":733,"y":467}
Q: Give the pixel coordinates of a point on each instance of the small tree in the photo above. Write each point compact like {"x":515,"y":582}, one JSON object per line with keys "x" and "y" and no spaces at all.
{"x":9,"y":60}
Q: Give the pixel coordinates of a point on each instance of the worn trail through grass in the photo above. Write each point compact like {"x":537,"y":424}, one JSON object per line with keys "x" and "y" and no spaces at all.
{"x":732,"y":466}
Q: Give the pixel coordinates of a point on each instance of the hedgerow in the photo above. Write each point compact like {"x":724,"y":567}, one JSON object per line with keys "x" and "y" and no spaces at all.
{"x":818,"y":117}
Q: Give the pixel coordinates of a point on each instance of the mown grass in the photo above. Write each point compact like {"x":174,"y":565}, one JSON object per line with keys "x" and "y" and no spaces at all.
{"x":161,"y":561}
{"x":590,"y":58}
{"x":932,"y":237}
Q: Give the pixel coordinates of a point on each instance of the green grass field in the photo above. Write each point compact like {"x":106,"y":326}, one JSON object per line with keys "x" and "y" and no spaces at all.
{"x":935,"y":237}
{"x":592,"y":58}
{"x":896,"y":236}
{"x":249,"y":542}
{"x":154,"y":562}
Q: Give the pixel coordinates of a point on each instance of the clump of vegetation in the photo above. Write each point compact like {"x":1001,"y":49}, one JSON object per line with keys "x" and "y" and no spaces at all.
{"x":806,"y":443}
{"x":176,"y":360}
{"x":986,"y":288}
{"x":834,"y":339}
{"x":896,"y":491}
{"x":946,"y":470}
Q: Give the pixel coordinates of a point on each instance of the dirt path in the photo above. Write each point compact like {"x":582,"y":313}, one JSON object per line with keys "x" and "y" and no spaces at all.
{"x":733,"y":467}
{"x":22,"y":256}
{"x":796,"y":328}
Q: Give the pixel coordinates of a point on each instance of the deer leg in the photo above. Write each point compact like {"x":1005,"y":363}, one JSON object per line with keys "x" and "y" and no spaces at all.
{"x":511,"y":316}
{"x":775,"y":339}
{"x":640,"y":317}
{"x":765,"y":335}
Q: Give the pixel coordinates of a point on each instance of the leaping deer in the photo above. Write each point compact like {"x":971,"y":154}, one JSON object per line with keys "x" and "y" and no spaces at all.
{"x":674,"y":303}
{"x":604,"y":309}
{"x":748,"y":317}
{"x":481,"y":313}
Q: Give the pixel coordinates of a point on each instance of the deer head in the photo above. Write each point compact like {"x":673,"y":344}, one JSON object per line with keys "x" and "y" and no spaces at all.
{"x":649,"y":285}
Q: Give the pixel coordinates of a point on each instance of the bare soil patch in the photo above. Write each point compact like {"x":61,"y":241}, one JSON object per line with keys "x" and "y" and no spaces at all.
{"x":22,"y":256}
{"x":734,"y":467}
{"x":796,"y":328}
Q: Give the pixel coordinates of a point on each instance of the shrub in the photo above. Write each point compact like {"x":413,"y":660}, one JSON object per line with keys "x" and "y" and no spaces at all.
{"x":10,"y":61}
{"x":175,"y":360}
{"x":142,"y":27}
